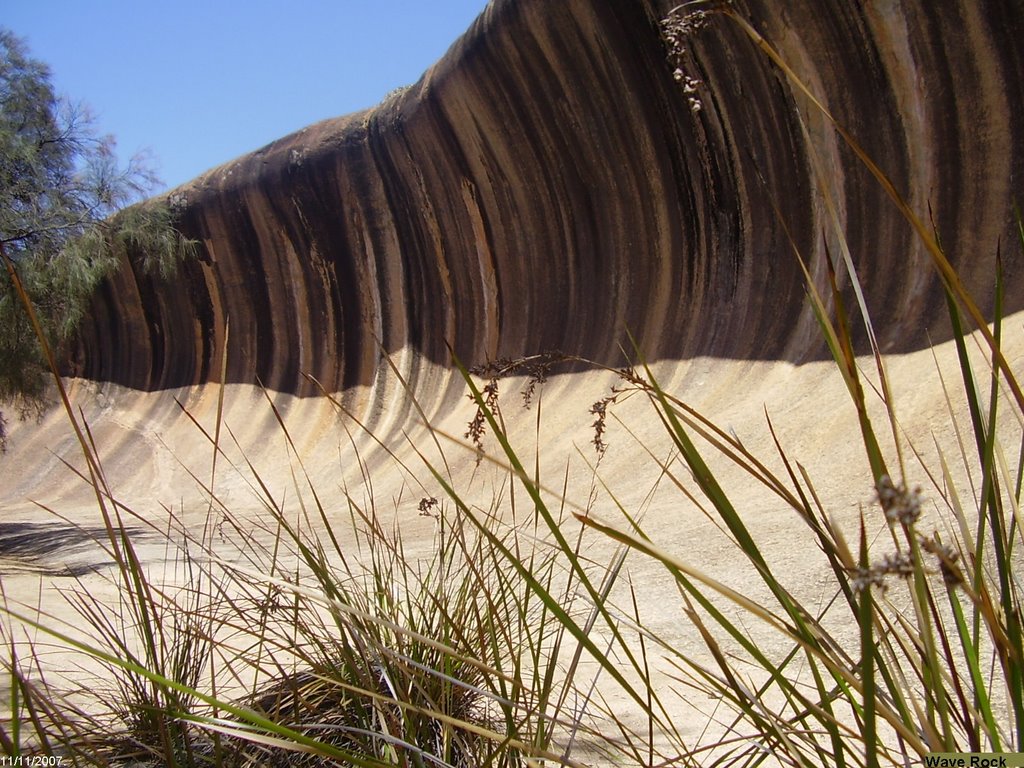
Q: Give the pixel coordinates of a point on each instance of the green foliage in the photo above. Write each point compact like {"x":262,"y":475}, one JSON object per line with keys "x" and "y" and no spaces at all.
{"x":64,"y":224}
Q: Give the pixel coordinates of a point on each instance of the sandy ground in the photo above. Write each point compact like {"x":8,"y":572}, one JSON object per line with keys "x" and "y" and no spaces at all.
{"x":155,"y":459}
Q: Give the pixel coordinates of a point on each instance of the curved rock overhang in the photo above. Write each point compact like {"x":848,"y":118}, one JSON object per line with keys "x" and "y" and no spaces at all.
{"x":547,"y":186}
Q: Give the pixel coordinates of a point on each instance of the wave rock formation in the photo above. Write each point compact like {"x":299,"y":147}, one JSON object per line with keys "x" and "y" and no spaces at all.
{"x":547,"y":186}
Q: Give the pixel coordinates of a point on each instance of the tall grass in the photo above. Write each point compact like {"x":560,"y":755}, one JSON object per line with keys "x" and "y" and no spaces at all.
{"x":308,"y":639}
{"x":938,"y":663}
{"x":320,"y":637}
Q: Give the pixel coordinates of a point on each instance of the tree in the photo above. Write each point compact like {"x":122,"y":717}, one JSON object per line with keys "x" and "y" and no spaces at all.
{"x":67,"y":219}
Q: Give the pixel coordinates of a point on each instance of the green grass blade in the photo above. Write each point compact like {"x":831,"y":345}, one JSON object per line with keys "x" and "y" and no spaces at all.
{"x":980,"y":689}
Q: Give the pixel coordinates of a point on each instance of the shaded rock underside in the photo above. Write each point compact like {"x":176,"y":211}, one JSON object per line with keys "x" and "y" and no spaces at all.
{"x":546,"y":186}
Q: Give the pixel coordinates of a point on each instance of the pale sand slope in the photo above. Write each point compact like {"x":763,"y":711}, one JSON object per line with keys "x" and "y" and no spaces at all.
{"x":148,"y":449}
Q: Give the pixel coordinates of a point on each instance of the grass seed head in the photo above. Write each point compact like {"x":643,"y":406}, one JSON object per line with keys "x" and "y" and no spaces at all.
{"x":947,"y":557}
{"x":899,"y":504}
{"x":681,"y":24}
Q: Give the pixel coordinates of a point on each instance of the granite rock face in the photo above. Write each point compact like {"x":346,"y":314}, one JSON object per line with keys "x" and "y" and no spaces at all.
{"x":547,"y":185}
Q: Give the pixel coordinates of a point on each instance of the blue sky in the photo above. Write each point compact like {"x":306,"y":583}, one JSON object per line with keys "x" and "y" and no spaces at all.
{"x":199,"y":82}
